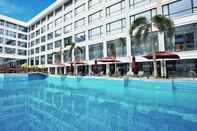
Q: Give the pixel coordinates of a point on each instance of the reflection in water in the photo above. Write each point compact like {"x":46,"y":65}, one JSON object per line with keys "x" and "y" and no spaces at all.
{"x":57,"y":106}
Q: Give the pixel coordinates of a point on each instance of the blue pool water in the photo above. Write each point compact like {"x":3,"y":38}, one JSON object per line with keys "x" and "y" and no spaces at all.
{"x":36,"y":103}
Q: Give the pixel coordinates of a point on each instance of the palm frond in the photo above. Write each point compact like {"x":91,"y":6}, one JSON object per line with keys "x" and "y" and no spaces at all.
{"x":72,"y":46}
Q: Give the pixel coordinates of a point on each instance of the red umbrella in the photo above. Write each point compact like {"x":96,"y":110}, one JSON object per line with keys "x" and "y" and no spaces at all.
{"x":135,"y":66}
{"x":95,"y":67}
{"x":107,"y":59}
{"x":77,"y":62}
{"x":162,"y":55}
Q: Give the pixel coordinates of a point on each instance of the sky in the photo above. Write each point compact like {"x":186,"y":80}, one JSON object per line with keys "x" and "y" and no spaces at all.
{"x":23,"y":10}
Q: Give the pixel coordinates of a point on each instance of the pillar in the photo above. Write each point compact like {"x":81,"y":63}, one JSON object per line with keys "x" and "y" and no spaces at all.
{"x":56,"y":71}
{"x":107,"y":69}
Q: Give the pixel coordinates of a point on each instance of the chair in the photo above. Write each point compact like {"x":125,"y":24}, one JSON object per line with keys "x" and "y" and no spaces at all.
{"x":141,"y":74}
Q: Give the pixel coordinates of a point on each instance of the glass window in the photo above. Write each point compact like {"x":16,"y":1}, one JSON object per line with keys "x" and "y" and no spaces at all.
{"x":120,"y":47}
{"x":50,"y":46}
{"x":1,"y":31}
{"x":42,"y":59}
{"x":10,"y":33}
{"x":22,"y":44}
{"x":10,"y":42}
{"x":94,"y":3}
{"x":80,"y":37}
{"x":58,"y":21}
{"x":43,"y":48}
{"x":139,"y":3}
{"x":50,"y":36}
{"x":1,"y":40}
{"x":10,"y":50}
{"x":22,"y":36}
{"x":68,"y":16}
{"x":22,"y":28}
{"x":79,"y":23}
{"x":115,"y":9}
{"x":95,"y":17}
{"x":43,"y":39}
{"x":67,"y":28}
{"x":37,"y":50}
{"x":80,"y":9}
{"x":22,"y":52}
{"x":80,"y":55}
{"x":58,"y":44}
{"x":50,"y":26}
{"x":95,"y":33}
{"x":96,"y":51}
{"x":58,"y":32}
{"x":49,"y":59}
{"x":116,"y":27}
{"x":11,"y":25}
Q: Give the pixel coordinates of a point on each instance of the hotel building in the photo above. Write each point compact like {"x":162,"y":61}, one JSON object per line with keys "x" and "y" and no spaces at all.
{"x":95,"y":25}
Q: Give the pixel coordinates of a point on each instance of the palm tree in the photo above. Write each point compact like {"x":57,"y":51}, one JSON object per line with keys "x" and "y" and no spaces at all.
{"x":163,"y":25}
{"x":138,"y":31}
{"x":73,"y":48}
{"x":141,"y":27}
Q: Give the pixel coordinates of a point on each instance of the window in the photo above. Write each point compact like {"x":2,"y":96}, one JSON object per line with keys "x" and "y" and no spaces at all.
{"x":50,"y":26}
{"x":80,"y":37}
{"x":116,"y":27}
{"x":80,"y":23}
{"x":32,"y":51}
{"x":10,"y":42}
{"x":180,"y":8}
{"x":32,"y":43}
{"x":43,"y":39}
{"x":67,"y":28}
{"x":37,"y":60}
{"x":58,"y":10}
{"x":95,"y":33}
{"x":22,"y":52}
{"x":32,"y":35}
{"x":11,"y":25}
{"x":115,"y":9}
{"x":37,"y":41}
{"x":58,"y":32}
{"x":139,"y":3}
{"x":95,"y":17}
{"x":42,"y":59}
{"x":22,"y":28}
{"x":10,"y":33}
{"x":94,"y":3}
{"x":68,"y":16}
{"x":38,"y":32}
{"x":67,"y":4}
{"x":22,"y":36}
{"x":149,"y":14}
{"x":96,"y":51}
{"x":49,"y":59}
{"x":10,"y":50}
{"x":2,"y":22}
{"x":58,"y":21}
{"x":43,"y":29}
{"x":79,"y":55}
{"x":37,"y":50}
{"x":67,"y":41}
{"x":120,"y":47}
{"x":80,"y":9}
{"x":1,"y":49}
{"x":58,"y":44}
{"x":50,"y":36}
{"x":1,"y":40}
{"x":50,"y":16}
{"x":1,"y":31}
{"x":22,"y":44}
{"x":43,"y":48}
{"x":50,"y":46}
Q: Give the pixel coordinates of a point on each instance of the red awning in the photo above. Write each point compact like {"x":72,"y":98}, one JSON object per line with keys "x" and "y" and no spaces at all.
{"x":107,"y":59}
{"x":78,"y":62}
{"x":163,"y":55}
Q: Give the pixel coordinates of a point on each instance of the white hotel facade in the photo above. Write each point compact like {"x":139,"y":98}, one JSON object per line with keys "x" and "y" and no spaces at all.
{"x":99,"y":23}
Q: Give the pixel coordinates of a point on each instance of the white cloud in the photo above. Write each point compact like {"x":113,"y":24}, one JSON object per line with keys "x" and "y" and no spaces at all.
{"x":7,"y":7}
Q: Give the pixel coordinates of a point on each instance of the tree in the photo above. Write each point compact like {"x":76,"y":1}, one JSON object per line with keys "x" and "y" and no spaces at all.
{"x":141,"y":28}
{"x":73,"y":48}
{"x":163,"y":25}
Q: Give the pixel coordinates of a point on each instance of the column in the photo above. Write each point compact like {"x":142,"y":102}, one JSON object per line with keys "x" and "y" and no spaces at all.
{"x":65,"y":71}
{"x":56,"y":70}
{"x":107,"y":69}
{"x":90,"y":69}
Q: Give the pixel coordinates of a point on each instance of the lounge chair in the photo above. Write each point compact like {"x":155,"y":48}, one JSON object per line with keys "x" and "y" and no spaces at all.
{"x":141,"y":74}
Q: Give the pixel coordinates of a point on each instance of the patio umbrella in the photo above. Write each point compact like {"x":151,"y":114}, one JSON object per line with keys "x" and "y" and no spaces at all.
{"x":135,"y":66}
{"x":95,"y":67}
{"x":107,"y":59}
{"x":163,"y":55}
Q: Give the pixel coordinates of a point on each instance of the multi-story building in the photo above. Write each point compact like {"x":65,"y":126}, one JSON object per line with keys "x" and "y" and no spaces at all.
{"x":97,"y":24}
{"x":13,"y":41}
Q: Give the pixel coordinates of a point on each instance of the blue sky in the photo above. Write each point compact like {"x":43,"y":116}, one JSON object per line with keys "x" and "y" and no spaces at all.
{"x":23,"y":9}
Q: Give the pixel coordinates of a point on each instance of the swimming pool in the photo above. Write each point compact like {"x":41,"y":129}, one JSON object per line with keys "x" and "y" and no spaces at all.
{"x":36,"y":103}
